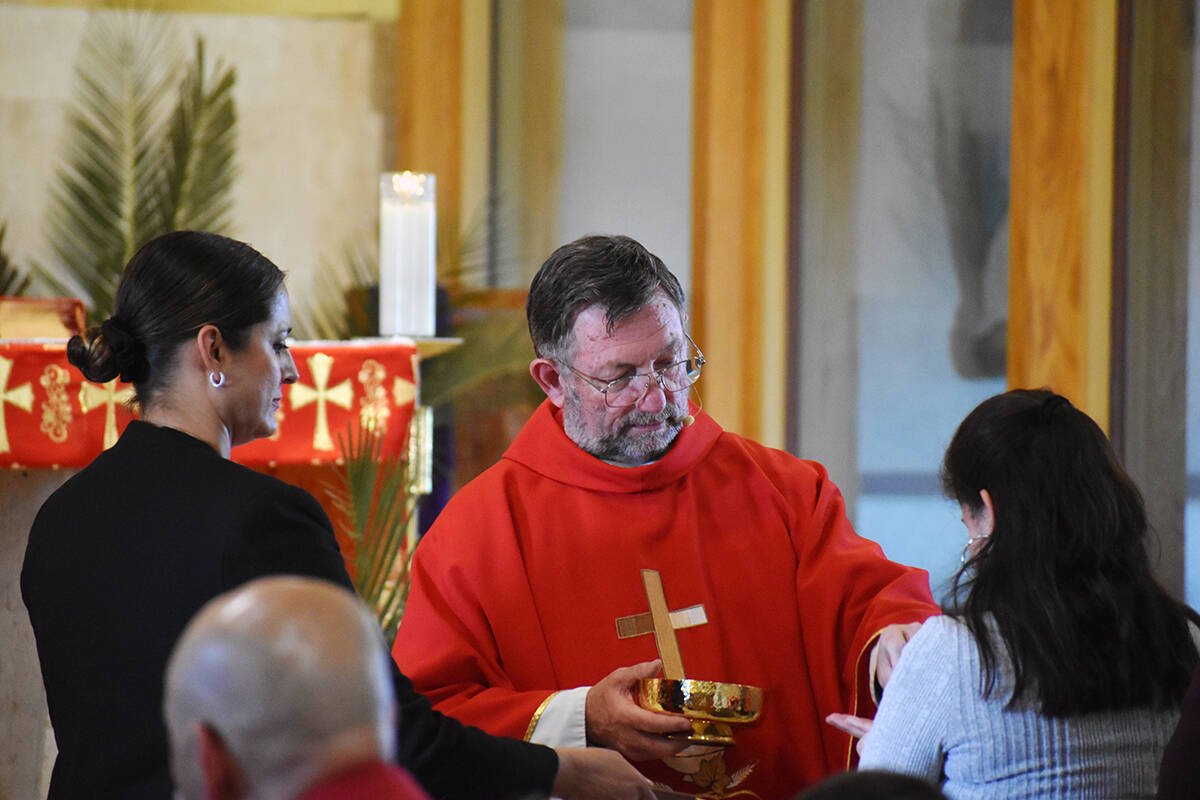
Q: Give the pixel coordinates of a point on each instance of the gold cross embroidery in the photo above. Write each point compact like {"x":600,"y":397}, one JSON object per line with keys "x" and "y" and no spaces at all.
{"x":93,"y":395}
{"x":665,"y":626}
{"x":342,"y":395}
{"x":404,"y":391}
{"x":19,"y":396}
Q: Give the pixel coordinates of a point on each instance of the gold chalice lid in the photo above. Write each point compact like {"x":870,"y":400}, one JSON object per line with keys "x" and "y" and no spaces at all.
{"x":713,"y":707}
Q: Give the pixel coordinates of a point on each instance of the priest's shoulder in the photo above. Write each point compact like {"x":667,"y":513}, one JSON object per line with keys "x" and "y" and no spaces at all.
{"x":778,"y":466}
{"x":484,"y":497}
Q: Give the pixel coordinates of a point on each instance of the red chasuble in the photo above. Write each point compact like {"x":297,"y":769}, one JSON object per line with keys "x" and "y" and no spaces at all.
{"x":518,"y":586}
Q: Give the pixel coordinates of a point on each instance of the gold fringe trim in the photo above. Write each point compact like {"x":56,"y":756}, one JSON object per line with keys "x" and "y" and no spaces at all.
{"x":537,"y":715}
{"x":854,"y":692}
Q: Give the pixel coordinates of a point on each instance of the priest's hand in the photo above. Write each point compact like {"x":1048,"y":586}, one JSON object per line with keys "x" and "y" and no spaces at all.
{"x":891,"y":641}
{"x":596,"y":773}
{"x":615,"y":720}
{"x":857,"y":727}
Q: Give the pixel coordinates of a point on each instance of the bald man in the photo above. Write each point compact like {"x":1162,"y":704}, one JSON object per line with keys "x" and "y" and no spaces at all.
{"x":282,"y":689}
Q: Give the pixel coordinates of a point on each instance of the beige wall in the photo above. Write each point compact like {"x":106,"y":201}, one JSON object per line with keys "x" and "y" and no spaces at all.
{"x":314,"y":98}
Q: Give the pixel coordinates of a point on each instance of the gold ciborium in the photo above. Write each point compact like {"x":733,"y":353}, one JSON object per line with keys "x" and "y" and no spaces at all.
{"x":713,"y":708}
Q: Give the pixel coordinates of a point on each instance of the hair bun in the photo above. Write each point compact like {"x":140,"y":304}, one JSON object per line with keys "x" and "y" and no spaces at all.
{"x":128,"y":355}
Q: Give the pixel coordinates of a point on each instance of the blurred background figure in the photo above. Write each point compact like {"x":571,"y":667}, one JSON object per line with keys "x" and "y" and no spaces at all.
{"x":1060,"y":665}
{"x":282,"y":689}
{"x":872,"y":785}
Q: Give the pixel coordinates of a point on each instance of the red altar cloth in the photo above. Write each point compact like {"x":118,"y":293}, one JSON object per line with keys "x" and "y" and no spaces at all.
{"x":50,"y":416}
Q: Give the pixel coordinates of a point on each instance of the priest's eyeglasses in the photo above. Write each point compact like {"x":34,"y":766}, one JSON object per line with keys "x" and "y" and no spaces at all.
{"x":628,"y":390}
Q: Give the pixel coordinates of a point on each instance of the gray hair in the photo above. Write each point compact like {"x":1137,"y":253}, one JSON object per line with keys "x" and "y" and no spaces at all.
{"x":615,"y":272}
{"x":286,"y":670}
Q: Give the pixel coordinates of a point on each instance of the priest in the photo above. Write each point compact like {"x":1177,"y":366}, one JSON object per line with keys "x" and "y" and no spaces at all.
{"x":529,"y":616}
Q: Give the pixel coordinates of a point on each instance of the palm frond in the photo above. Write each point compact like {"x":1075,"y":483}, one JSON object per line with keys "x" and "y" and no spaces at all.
{"x":149,"y":149}
{"x":344,"y":301}
{"x":199,"y":172}
{"x":378,"y":499}
{"x":495,"y":346}
{"x":12,"y":281}
{"x":496,"y":350}
{"x":104,"y":203}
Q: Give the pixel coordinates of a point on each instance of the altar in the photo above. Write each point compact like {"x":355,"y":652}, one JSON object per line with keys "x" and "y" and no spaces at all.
{"x":51,"y":417}
{"x":53,"y":422}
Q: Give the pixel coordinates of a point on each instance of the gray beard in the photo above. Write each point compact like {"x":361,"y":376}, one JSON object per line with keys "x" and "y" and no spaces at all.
{"x":624,"y":448}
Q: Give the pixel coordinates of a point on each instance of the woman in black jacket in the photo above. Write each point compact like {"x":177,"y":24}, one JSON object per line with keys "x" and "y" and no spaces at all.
{"x":126,"y":551}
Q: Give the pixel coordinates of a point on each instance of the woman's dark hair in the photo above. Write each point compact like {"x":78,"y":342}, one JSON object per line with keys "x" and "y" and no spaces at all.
{"x":174,"y":285}
{"x":614,"y":271}
{"x":1064,"y":580}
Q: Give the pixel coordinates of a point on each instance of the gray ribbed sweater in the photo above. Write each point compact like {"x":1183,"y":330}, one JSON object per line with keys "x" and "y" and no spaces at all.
{"x":933,"y":722}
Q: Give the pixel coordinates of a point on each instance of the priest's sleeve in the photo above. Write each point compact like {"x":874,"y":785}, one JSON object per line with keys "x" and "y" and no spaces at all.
{"x":446,"y":643}
{"x":847,"y":592}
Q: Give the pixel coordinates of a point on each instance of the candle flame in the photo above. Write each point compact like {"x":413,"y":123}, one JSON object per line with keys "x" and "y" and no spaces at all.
{"x":409,"y":185}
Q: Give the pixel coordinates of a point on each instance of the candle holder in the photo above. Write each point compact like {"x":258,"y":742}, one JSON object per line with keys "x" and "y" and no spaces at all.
{"x":407,"y":254}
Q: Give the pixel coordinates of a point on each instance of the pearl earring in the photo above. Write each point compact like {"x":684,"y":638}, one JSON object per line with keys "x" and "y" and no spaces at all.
{"x":967,"y":547}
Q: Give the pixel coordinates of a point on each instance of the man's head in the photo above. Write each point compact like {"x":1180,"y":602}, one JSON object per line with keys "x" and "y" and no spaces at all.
{"x":603,"y":308}
{"x":273,"y":686}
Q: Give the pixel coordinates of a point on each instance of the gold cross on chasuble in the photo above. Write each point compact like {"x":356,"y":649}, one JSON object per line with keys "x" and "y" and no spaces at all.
{"x":662,"y":623}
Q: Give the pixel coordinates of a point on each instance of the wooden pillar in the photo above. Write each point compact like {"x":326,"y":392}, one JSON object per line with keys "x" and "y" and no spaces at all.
{"x":741,"y":74}
{"x":529,"y":135}
{"x":429,"y":53}
{"x":825,"y":303}
{"x":1061,"y":199}
{"x":1098,"y":243}
{"x":1150,"y":361}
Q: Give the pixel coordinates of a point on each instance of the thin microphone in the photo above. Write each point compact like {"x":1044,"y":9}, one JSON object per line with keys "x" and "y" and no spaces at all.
{"x":688,"y":420}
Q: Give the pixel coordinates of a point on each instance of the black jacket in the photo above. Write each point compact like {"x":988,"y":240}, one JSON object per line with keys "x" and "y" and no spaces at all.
{"x":120,"y":558}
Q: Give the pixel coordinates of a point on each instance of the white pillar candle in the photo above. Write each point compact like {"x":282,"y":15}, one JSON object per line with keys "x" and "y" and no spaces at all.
{"x":407,"y":254}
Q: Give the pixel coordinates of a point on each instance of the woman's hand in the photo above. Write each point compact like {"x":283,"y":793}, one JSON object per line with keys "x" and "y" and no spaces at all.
{"x":596,"y":773}
{"x":855,"y":726}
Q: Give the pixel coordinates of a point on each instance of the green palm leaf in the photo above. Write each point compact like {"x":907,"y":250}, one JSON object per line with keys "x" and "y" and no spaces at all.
{"x":343,"y":303}
{"x":495,"y":353}
{"x":104,"y":201}
{"x":149,"y":149}
{"x":378,"y":500}
{"x":199,"y":175}
{"x":12,"y":281}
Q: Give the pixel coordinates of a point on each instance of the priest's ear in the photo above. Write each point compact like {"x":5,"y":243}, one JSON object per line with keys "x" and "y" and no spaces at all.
{"x":548,"y":376}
